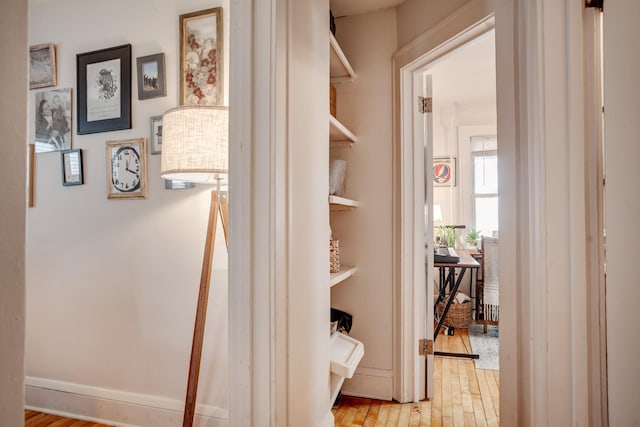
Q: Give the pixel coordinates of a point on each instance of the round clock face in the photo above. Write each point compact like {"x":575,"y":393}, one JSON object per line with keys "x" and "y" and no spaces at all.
{"x":125,"y":166}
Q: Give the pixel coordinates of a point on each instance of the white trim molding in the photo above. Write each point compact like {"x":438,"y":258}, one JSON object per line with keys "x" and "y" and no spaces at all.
{"x":114,"y":407}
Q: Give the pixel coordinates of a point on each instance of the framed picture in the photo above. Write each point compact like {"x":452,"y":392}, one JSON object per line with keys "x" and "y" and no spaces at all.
{"x":127,"y":169}
{"x":53,"y":120}
{"x":72,"y":167}
{"x":201,"y":57}
{"x":151,"y":80}
{"x":444,"y":171}
{"x":104,"y":90}
{"x":42,"y":66}
{"x":156,"y":134}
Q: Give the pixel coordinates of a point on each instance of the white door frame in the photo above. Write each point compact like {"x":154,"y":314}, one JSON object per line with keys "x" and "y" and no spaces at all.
{"x":412,"y":294}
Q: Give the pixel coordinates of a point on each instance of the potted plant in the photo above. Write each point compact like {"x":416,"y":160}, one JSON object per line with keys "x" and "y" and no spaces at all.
{"x":473,"y":238}
{"x":446,"y":236}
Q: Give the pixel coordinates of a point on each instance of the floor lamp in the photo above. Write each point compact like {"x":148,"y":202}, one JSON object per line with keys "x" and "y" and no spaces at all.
{"x":195,"y":148}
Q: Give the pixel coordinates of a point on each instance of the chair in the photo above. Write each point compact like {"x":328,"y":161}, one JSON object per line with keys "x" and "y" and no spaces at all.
{"x":490,"y":291}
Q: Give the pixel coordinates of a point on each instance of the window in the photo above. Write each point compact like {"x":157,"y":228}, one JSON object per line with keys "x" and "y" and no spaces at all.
{"x":485,"y":192}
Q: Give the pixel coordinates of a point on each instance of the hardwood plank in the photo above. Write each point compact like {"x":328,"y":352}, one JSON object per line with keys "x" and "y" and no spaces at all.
{"x":362,"y":408}
{"x":405,"y":411}
{"x":394,"y":415}
{"x":372,"y":415}
{"x":491,"y":416}
{"x":415,"y":414}
{"x":39,"y":419}
{"x":425,"y":418}
{"x":383,"y":414}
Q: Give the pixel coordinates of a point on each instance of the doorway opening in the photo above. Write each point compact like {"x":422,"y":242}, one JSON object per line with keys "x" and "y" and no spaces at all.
{"x":461,"y":213}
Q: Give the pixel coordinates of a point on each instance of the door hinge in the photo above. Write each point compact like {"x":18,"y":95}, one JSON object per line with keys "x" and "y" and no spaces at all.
{"x":425,"y":105}
{"x":425,"y":347}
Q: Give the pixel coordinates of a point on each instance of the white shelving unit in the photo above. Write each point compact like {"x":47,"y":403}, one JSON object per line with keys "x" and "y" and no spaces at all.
{"x":346,"y":352}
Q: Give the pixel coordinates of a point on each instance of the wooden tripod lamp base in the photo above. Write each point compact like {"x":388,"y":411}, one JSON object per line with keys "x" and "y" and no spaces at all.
{"x":218,"y":205}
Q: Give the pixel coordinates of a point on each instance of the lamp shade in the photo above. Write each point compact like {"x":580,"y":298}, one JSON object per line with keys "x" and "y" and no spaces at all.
{"x":195,"y":144}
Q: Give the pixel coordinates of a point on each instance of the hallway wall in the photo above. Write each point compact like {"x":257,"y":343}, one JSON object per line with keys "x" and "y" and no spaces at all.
{"x":112,"y":284}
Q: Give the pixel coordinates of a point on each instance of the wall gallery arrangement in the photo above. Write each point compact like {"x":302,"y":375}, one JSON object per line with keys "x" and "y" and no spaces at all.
{"x":104,"y":104}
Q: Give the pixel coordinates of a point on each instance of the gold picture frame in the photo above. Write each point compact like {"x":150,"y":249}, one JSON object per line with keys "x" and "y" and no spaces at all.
{"x":201,"y":56}
{"x":42,"y":66}
{"x":127,"y":169}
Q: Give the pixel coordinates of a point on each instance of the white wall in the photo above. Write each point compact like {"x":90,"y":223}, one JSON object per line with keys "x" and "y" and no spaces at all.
{"x":365,"y":107}
{"x":417,"y":16}
{"x":13,"y":105}
{"x":621,"y":127}
{"x":112,"y":284}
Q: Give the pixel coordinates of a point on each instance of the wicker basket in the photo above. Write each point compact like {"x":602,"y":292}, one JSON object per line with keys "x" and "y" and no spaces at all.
{"x":458,"y":316}
{"x":334,"y":256}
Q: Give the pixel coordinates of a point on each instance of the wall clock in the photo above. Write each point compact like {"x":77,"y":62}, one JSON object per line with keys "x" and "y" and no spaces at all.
{"x":127,"y":169}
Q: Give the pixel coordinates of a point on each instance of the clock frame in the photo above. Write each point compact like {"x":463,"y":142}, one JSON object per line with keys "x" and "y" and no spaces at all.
{"x":127,"y":169}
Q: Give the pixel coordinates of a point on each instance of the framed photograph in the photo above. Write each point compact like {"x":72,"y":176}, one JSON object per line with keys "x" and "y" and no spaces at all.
{"x":42,"y":66}
{"x":444,"y":171}
{"x":127,"y":169}
{"x":151,"y":80}
{"x":156,"y":134}
{"x":104,"y":90}
{"x":72,"y":167}
{"x":201,"y":57}
{"x":53,"y":120}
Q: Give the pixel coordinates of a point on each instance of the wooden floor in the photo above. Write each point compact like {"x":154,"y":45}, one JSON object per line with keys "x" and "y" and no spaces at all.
{"x":462,"y":396}
{"x":38,"y":419}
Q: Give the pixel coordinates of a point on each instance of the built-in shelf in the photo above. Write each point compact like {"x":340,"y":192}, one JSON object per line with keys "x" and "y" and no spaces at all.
{"x":337,"y":203}
{"x":342,"y":275}
{"x":340,"y":70}
{"x":339,"y":132}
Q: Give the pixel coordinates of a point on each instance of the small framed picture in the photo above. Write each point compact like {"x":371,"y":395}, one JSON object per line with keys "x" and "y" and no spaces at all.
{"x":170,"y":184}
{"x":72,"y":167}
{"x":127,"y":169}
{"x":104,"y":90}
{"x":444,"y":171}
{"x":151,"y":80}
{"x":201,"y":57}
{"x":156,"y":134}
{"x":53,"y":120}
{"x":42,"y":66}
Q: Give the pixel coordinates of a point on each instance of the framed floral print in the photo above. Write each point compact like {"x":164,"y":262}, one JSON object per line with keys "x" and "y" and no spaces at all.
{"x":201,"y":53}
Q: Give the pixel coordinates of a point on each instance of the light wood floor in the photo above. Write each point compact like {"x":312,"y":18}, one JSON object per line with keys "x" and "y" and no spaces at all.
{"x":38,"y":419}
{"x":462,"y":396}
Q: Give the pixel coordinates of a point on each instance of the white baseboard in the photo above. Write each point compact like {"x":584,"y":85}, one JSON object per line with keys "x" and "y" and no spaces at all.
{"x":114,"y":407}
{"x":370,"y":383}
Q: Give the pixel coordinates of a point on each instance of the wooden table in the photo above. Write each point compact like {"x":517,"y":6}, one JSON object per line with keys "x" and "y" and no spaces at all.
{"x":448,"y":281}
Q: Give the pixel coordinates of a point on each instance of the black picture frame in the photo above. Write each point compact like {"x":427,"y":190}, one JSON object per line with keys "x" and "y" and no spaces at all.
{"x":104,"y":90}
{"x":151,"y":76}
{"x":71,"y":162}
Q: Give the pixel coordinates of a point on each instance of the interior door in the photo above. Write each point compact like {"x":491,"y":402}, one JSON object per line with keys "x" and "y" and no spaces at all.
{"x":427,"y":148}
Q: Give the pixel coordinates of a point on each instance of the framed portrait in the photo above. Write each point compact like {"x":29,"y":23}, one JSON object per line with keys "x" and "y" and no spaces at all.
{"x":156,"y":135}
{"x":127,"y":169}
{"x":42,"y":66}
{"x":52,"y":120}
{"x":201,"y":57}
{"x":72,"y":167}
{"x":151,"y":80}
{"x":104,"y":90}
{"x":444,"y":171}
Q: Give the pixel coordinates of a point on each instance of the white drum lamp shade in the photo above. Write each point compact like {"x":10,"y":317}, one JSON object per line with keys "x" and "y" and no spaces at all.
{"x":195,"y":144}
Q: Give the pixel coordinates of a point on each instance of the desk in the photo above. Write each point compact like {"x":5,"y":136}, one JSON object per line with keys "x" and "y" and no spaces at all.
{"x":448,"y":280}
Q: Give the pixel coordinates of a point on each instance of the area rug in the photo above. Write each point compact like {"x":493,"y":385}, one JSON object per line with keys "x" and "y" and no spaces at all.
{"x":485,"y":345}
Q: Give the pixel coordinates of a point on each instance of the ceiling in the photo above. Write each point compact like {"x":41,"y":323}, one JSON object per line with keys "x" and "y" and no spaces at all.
{"x":356,"y":7}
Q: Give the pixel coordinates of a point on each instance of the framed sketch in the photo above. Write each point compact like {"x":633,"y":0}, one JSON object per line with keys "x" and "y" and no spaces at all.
{"x":127,"y":169}
{"x":201,"y":53}
{"x":151,"y":80}
{"x":156,"y":134}
{"x":42,"y":66}
{"x":53,"y":120}
{"x":444,"y":171}
{"x":72,"y":167}
{"x":104,"y":90}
